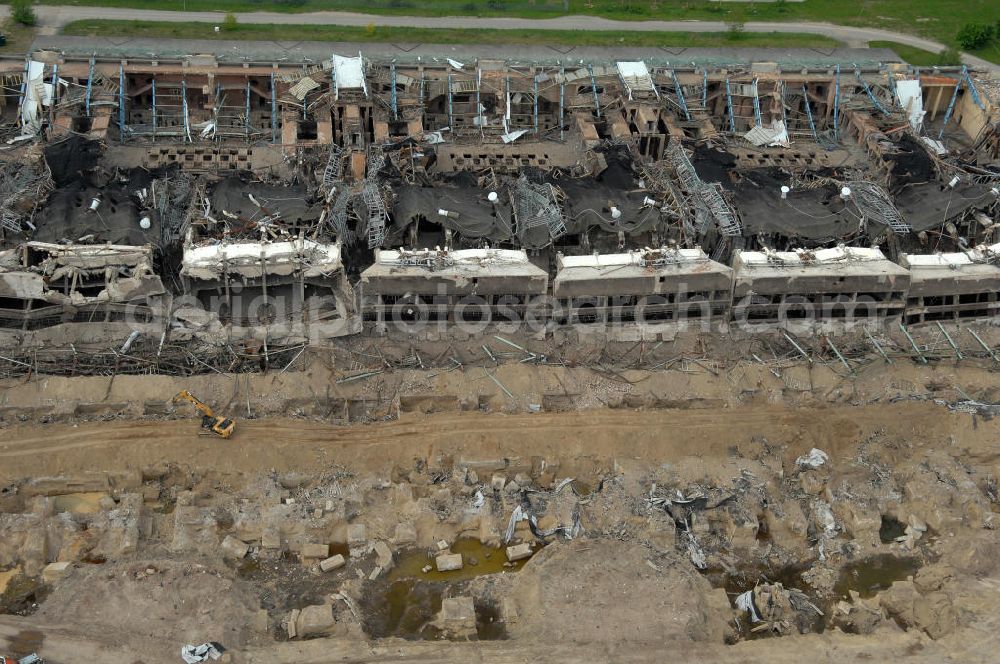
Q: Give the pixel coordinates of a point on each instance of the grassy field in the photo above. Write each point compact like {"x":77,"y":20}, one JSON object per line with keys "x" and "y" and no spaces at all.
{"x":439,"y":35}
{"x":936,"y":19}
{"x":918,"y":56}
{"x":19,"y":37}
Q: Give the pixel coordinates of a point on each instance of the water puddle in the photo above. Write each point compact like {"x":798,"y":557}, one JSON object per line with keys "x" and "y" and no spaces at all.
{"x":22,"y":595}
{"x":739,"y":581}
{"x":407,"y":601}
{"x":477,"y":558}
{"x":407,"y":609}
{"x":742,"y":580}
{"x":79,"y":503}
{"x":890,"y":529}
{"x":871,"y":575}
{"x":24,"y":643}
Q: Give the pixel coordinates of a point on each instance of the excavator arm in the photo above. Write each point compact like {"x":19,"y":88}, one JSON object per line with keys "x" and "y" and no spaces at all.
{"x":221,"y":426}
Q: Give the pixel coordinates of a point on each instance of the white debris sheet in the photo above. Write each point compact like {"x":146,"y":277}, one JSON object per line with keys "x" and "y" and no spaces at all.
{"x":635,"y":76}
{"x":37,"y":94}
{"x":349,"y":73}
{"x":204,"y":652}
{"x":513,"y":136}
{"x":774,"y":136}
{"x":814,"y":459}
{"x":911,"y":100}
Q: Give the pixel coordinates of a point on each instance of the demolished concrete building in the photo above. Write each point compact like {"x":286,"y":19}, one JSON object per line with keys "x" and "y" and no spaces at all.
{"x":268,"y":191}
{"x":647,"y":286}
{"x":848,"y":283}
{"x":468,"y":285}
{"x":109,"y":289}
{"x":952,"y":287}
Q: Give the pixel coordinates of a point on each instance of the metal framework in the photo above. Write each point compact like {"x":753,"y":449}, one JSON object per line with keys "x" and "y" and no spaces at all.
{"x":537,"y":205}
{"x":874,"y":203}
{"x":809,"y":113}
{"x":680,"y":95}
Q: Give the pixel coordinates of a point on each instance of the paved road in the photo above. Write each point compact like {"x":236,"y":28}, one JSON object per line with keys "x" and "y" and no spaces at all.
{"x":52,"y":18}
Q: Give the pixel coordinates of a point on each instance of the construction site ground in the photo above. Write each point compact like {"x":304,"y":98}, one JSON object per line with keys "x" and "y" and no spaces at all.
{"x":907,"y":443}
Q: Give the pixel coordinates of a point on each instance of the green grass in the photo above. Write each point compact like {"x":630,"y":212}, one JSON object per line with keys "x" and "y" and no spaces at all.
{"x":918,"y":56}
{"x":19,"y":37}
{"x":937,"y":19}
{"x":268,"y":32}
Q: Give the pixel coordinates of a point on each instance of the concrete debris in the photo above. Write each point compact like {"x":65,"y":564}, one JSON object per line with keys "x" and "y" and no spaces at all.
{"x":234,"y":548}
{"x":201,"y":653}
{"x":814,"y":459}
{"x":314,"y":620}
{"x":457,"y":618}
{"x":448,"y":562}
{"x":777,"y":609}
{"x":518,"y":552}
{"x":332,"y":563}
{"x":405,"y":534}
{"x":313,"y":550}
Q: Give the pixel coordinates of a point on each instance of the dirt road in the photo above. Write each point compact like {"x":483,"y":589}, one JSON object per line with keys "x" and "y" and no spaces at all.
{"x":286,"y":445}
{"x":53,"y":18}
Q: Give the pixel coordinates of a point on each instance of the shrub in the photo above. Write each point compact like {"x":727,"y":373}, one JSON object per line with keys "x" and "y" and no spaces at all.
{"x":973,"y":36}
{"x":949,"y":56}
{"x":22,"y":12}
{"x":229,"y":22}
{"x":736,"y":24}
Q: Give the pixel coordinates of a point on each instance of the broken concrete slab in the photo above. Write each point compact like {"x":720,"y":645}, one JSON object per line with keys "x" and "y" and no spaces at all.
{"x":405,"y":534}
{"x":291,"y":623}
{"x":314,"y":550}
{"x":356,"y":534}
{"x":333,"y":562}
{"x":53,"y":572}
{"x":457,"y":618}
{"x":448,"y":562}
{"x":518,"y":552}
{"x":314,"y":620}
{"x":234,"y":548}
{"x":383,"y":554}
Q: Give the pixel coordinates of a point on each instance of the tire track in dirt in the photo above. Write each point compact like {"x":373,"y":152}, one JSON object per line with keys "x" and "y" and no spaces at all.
{"x":598,"y":434}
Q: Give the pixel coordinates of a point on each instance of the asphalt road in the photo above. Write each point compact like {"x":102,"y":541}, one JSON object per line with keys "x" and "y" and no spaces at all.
{"x":53,"y":18}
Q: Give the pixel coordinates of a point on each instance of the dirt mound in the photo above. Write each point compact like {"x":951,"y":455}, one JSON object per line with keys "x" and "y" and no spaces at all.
{"x":192,"y":602}
{"x":607,"y":591}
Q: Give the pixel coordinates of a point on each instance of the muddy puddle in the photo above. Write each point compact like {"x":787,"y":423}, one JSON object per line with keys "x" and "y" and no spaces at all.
{"x":24,"y":643}
{"x":23,"y":595}
{"x":407,"y":601}
{"x":737,"y":582}
{"x":78,"y":503}
{"x":872,"y":575}
{"x":890,"y":529}
{"x":477,"y":559}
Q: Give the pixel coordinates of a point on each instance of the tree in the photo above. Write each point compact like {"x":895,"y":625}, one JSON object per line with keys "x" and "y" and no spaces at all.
{"x":22,"y":12}
{"x":973,"y":36}
{"x":229,"y":23}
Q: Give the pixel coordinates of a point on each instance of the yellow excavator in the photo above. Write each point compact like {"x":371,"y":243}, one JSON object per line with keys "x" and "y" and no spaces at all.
{"x":220,"y":426}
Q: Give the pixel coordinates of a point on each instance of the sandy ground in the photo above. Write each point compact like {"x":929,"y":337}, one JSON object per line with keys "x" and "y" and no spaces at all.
{"x":672,"y":426}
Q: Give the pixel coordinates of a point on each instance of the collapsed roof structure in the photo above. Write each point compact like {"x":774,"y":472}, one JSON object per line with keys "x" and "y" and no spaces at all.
{"x":265,"y":192}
